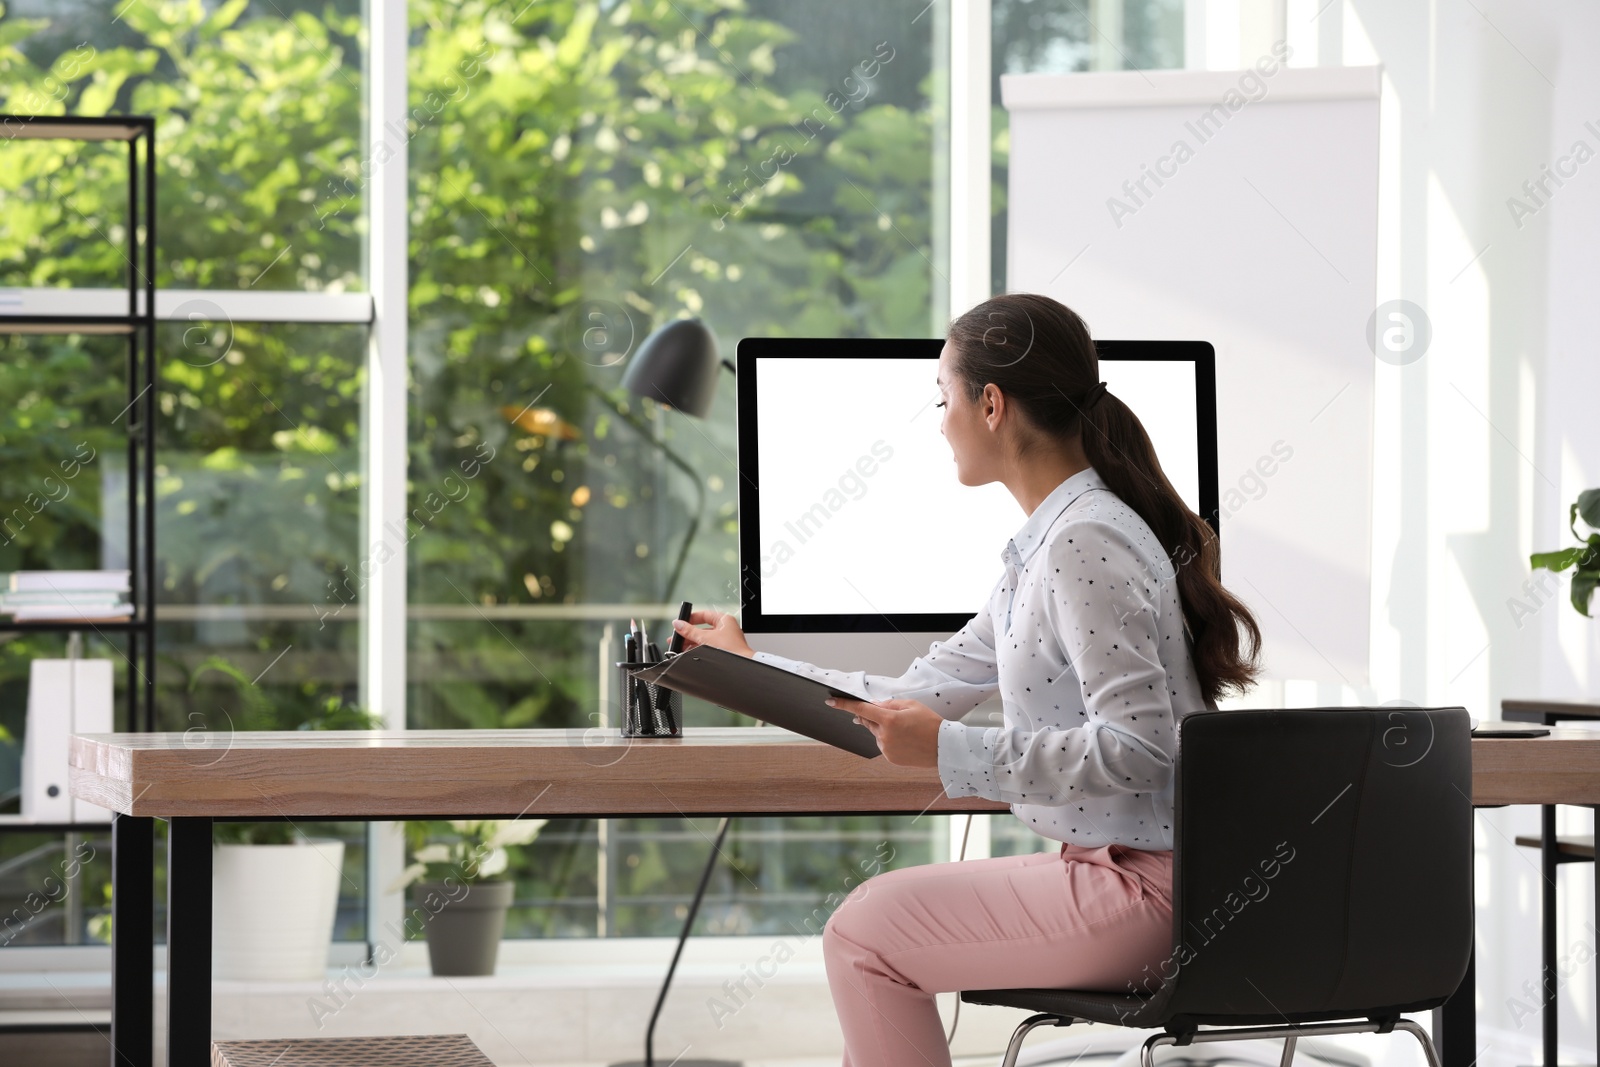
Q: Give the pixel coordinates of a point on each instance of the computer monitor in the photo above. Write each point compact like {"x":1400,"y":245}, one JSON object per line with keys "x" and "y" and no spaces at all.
{"x":858,"y":546}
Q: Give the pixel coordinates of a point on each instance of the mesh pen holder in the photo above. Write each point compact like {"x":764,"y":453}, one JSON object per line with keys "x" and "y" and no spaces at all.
{"x":650,"y":710}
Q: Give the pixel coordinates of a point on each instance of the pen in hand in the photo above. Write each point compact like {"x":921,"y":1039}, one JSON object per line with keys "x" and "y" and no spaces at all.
{"x":675,"y":645}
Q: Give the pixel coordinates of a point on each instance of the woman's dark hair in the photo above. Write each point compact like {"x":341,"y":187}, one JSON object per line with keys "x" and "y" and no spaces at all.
{"x":1038,"y":353}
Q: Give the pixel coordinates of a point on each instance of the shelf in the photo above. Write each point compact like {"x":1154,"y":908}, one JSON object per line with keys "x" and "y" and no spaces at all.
{"x":59,"y":324}
{"x":80,"y":1022}
{"x":127,"y":311}
{"x":68,"y":625}
{"x":72,"y":128}
{"x":1569,"y":849}
{"x":20,"y":822}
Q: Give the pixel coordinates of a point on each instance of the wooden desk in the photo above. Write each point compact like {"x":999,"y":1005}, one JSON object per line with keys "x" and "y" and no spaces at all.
{"x":195,"y":778}
{"x":539,"y":773}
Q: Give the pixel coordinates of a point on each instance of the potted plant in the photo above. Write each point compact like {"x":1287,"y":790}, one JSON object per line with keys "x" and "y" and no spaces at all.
{"x":1584,"y":557}
{"x":458,"y":897}
{"x":275,"y":891}
{"x":274,"y":896}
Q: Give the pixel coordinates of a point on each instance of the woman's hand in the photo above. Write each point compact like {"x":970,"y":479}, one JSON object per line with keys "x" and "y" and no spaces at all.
{"x":724,"y":633}
{"x":907,"y":730}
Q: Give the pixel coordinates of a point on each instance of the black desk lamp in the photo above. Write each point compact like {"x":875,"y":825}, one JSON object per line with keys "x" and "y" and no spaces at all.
{"x":677,"y":366}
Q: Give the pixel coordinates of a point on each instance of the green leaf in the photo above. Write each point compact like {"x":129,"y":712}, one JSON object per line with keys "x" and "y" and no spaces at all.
{"x":1583,"y":585}
{"x":1588,"y":507}
{"x":222,"y":18}
{"x":16,"y":30}
{"x":1590,"y":559}
{"x":1558,"y":560}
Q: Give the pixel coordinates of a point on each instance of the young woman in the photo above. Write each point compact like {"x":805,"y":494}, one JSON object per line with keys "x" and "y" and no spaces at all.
{"x":1108,"y":624}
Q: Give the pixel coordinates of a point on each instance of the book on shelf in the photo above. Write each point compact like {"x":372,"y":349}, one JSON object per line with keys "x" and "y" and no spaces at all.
{"x":71,"y":612}
{"x":87,"y":598}
{"x":69,"y":581}
{"x":66,"y":596}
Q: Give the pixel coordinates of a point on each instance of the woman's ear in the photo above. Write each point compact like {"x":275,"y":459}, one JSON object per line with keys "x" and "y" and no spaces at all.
{"x":994,"y":406}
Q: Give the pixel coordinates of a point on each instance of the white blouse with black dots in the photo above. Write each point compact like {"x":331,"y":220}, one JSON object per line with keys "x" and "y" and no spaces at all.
{"x":1083,"y":638}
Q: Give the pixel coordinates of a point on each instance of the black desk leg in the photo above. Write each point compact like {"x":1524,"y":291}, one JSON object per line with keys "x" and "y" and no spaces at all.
{"x":189,"y":942}
{"x":1550,"y":1013}
{"x":1455,"y":1026}
{"x":132,"y":941}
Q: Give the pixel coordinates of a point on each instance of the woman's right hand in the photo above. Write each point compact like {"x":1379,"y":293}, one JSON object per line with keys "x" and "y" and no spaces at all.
{"x":724,"y":633}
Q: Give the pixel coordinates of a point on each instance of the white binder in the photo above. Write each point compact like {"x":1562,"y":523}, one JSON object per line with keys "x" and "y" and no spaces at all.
{"x":64,"y":697}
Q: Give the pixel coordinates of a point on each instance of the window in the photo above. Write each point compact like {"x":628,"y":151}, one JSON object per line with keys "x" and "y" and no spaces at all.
{"x":578,"y":175}
{"x":769,"y":170}
{"x":58,"y":399}
{"x":258,"y":126}
{"x":258,"y":130}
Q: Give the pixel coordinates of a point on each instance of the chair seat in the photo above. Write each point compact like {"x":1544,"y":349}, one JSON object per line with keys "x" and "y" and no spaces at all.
{"x":1117,"y":1008}
{"x":1144,"y":1013}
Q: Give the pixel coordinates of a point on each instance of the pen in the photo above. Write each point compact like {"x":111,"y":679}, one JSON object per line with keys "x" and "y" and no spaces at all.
{"x":675,"y":645}
{"x":661,"y":710}
{"x":633,"y":631}
{"x":627,"y":648}
{"x":644,"y":638}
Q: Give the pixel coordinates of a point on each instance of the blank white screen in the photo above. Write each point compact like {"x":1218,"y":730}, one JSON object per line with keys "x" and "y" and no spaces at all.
{"x":906,"y":537}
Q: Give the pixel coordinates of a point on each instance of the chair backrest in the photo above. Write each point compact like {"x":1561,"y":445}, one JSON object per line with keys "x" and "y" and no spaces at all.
{"x":1322,"y":864}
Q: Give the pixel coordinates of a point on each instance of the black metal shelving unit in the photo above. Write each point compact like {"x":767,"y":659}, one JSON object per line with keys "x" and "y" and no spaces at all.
{"x":137,"y":324}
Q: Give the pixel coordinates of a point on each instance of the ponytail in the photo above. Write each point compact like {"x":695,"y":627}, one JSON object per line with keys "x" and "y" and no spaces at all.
{"x":1039,"y":354}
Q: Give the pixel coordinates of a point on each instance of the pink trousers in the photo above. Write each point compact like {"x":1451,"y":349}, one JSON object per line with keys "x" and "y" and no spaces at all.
{"x":1080,"y":918}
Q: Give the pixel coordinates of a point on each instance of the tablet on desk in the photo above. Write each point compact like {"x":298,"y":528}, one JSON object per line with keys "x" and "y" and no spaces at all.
{"x":762,"y":691}
{"x":1496,"y":728}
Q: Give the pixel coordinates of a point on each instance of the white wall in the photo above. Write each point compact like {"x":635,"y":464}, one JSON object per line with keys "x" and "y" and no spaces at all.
{"x":1239,"y":209}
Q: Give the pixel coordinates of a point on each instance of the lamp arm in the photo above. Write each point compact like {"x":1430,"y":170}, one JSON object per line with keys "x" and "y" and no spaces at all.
{"x":648,"y":434}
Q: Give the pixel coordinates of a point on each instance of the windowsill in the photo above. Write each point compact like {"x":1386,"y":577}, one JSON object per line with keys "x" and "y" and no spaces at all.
{"x":531,"y":977}
{"x":58,"y":977}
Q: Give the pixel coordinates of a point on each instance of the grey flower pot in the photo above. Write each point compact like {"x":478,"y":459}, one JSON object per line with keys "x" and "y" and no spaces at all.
{"x":463,"y":924}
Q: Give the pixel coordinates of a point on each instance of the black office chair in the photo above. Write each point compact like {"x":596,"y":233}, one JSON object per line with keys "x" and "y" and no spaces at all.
{"x":1322,"y":868}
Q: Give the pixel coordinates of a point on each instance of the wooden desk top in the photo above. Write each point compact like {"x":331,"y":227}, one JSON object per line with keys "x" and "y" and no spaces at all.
{"x":1563,"y":768}
{"x":739,"y":770}
{"x":1535,"y":710}
{"x":468,"y":773}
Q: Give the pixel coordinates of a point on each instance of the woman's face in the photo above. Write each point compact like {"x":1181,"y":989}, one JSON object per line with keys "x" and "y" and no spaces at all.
{"x":965,"y":426}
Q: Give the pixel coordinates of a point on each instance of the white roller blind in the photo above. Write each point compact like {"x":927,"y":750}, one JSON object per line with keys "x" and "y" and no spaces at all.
{"x":1239,"y":208}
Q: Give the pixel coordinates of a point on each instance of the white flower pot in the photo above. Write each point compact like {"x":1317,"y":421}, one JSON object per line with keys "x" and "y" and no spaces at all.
{"x":273,"y":908}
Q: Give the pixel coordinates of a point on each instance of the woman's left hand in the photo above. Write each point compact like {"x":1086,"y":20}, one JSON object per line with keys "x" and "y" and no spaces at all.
{"x":907,"y":730}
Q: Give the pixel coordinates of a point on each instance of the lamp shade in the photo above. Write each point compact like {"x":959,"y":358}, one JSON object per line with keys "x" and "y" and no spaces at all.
{"x":676,"y":365}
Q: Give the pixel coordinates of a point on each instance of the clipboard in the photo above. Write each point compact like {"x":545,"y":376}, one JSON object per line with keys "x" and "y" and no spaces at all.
{"x":762,"y":691}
